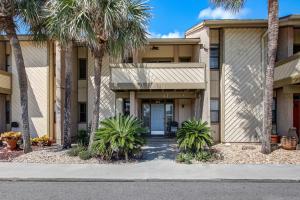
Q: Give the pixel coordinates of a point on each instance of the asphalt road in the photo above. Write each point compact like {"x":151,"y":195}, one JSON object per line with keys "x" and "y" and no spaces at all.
{"x":148,"y":190}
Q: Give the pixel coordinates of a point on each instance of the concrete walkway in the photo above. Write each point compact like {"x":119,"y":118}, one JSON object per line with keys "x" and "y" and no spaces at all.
{"x":158,"y":170}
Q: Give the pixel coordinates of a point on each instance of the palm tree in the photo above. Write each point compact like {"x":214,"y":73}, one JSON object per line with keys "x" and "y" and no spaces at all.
{"x":65,"y":21}
{"x":120,"y":27}
{"x":27,"y":12}
{"x":273,"y":29}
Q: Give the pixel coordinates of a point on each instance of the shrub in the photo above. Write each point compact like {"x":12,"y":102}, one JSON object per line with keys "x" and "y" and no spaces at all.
{"x":119,"y":137}
{"x":82,"y":138}
{"x":75,"y":151}
{"x":185,"y":158}
{"x":85,"y":155}
{"x":204,"y":156}
{"x":41,"y":141}
{"x":194,"y":136}
{"x":11,"y":136}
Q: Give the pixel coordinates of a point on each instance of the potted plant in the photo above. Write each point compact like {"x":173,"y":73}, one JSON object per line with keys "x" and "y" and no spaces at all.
{"x":274,"y":139}
{"x":11,"y":138}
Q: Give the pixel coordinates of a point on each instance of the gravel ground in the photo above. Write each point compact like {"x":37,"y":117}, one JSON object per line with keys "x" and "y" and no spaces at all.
{"x":250,"y":154}
{"x":51,"y":155}
{"x":232,"y":154}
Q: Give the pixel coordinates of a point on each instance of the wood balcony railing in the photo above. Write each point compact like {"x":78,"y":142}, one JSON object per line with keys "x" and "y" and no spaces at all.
{"x":156,"y":76}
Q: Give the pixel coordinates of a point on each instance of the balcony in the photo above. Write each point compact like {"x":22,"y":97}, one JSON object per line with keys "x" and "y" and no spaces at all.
{"x":5,"y":82}
{"x":157,"y":76}
{"x":287,"y":71}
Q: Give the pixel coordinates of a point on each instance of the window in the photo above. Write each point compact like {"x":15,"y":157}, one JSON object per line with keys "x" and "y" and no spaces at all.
{"x":214,"y":56}
{"x":82,"y":112}
{"x":128,"y":60}
{"x":185,"y":59}
{"x":296,"y":48}
{"x":7,"y":112}
{"x":82,"y":69}
{"x":7,"y":62}
{"x":126,"y":107}
{"x":157,"y":60}
{"x":214,"y":110}
{"x":274,"y":116}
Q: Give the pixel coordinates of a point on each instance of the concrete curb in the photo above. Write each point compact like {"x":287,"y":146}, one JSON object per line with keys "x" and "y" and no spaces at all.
{"x":146,"y":180}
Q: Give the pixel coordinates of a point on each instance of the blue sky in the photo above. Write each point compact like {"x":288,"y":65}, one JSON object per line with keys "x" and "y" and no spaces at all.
{"x":172,"y":17}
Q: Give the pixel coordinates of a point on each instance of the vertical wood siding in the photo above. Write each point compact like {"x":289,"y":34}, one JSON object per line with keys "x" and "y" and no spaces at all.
{"x":243,"y":85}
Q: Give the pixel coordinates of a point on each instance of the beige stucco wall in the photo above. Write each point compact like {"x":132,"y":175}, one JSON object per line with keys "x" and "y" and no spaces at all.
{"x":184,"y":110}
{"x":284,"y":111}
{"x":243,"y":94}
{"x":36,"y":63}
{"x":107,"y":99}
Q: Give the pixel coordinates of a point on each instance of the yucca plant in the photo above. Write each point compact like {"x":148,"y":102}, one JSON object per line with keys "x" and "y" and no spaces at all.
{"x":120,"y":136}
{"x":194,"y":136}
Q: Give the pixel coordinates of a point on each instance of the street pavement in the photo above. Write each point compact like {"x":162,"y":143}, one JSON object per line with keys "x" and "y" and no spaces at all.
{"x":211,"y":190}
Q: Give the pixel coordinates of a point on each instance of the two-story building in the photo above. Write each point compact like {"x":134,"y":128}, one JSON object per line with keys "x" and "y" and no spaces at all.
{"x":215,"y":73}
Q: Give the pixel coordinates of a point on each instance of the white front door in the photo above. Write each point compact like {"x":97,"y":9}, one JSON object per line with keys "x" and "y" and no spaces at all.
{"x":157,"y":119}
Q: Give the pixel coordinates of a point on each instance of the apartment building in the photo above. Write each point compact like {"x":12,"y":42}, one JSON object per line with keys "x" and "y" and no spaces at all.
{"x":215,"y":74}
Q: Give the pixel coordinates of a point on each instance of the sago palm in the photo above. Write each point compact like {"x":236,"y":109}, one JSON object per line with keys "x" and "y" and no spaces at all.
{"x":120,"y":26}
{"x":273,"y":29}
{"x":23,"y":11}
{"x":119,"y":136}
{"x":194,"y":136}
{"x":65,"y":21}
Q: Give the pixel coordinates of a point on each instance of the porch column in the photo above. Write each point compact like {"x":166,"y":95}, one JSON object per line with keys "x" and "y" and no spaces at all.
{"x":285,"y":103}
{"x":59,"y":82}
{"x":2,"y":96}
{"x":197,"y":106}
{"x":133,"y":104}
{"x":2,"y":113}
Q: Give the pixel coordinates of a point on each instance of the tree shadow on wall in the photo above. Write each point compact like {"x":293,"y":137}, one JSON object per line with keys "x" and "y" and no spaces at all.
{"x":244,"y":99}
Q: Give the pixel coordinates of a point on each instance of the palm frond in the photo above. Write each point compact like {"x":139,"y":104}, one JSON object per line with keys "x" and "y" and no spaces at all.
{"x":232,"y":5}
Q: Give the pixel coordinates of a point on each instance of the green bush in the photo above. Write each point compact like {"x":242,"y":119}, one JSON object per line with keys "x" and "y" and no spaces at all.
{"x":204,"y":156}
{"x":75,"y":151}
{"x":119,"y":137}
{"x":185,"y":158}
{"x":85,"y":155}
{"x":82,"y":138}
{"x":194,"y":136}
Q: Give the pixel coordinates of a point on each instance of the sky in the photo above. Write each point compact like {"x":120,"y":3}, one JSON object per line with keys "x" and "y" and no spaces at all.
{"x":171,"y":18}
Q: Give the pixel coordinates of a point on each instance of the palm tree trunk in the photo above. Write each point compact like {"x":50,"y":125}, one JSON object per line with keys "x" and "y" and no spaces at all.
{"x":98,"y":56}
{"x":273,"y":29}
{"x":23,"y":85}
{"x":68,"y":95}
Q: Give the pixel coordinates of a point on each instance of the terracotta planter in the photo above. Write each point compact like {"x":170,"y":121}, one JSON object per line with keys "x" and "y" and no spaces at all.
{"x":275,"y":139}
{"x":289,"y":143}
{"x":11,"y":144}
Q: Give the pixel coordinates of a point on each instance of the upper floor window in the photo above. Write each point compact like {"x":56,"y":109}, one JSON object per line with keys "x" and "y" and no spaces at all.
{"x":214,"y":56}
{"x":158,"y":60}
{"x":296,"y":48}
{"x":128,"y":60}
{"x":185,"y":59}
{"x":82,"y":71}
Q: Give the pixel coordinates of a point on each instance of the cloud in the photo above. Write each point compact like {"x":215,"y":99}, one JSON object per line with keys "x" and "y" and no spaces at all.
{"x":175,"y":34}
{"x":221,"y":13}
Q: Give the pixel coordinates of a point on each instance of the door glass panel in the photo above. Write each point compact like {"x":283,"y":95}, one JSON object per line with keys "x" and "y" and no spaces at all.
{"x":146,"y":116}
{"x":169,"y":114}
